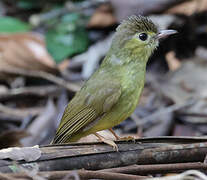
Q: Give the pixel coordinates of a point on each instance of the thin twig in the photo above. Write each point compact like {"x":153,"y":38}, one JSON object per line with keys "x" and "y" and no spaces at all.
{"x":194,"y":114}
{"x":107,"y":175}
{"x":44,"y":75}
{"x":169,"y":109}
{"x":152,"y":119}
{"x":157,"y":168}
{"x":84,"y":174}
{"x":32,"y":90}
{"x":20,"y":112}
{"x":8,"y":118}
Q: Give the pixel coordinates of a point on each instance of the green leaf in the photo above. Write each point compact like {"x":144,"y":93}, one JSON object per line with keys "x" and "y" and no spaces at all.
{"x":67,"y":38}
{"x":62,"y":45}
{"x":12,"y":25}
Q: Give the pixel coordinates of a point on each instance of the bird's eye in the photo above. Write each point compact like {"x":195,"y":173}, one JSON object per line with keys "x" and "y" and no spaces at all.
{"x":143,"y":36}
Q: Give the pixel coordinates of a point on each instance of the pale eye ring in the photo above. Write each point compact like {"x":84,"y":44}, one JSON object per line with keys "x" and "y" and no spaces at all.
{"x":143,"y":36}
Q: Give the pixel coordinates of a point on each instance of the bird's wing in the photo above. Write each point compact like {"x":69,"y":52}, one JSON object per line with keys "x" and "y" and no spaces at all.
{"x":88,"y":105}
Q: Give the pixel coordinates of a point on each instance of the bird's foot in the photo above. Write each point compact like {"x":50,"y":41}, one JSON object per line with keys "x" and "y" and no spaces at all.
{"x":128,"y":138}
{"x":107,"y":141}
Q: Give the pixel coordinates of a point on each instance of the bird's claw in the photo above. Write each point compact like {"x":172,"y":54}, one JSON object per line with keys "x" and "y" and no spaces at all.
{"x":111,"y":143}
{"x":107,"y":141}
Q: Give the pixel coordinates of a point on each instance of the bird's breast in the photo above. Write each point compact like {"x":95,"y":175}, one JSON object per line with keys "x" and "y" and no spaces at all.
{"x":132,"y":85}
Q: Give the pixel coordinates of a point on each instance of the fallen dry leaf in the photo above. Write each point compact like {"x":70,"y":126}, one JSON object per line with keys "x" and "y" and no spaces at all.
{"x":102,"y":17}
{"x":188,"y":7}
{"x":12,"y":138}
{"x":172,"y":61}
{"x":188,"y":82}
{"x":25,"y":51}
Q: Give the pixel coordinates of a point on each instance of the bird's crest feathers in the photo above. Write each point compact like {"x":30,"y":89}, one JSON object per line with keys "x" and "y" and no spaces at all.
{"x":136,"y":24}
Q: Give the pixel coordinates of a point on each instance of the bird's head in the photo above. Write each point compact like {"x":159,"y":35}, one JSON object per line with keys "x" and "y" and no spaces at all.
{"x":137,"y":36}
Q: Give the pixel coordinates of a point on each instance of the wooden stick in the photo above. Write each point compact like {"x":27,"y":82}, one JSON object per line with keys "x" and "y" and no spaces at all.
{"x":157,"y":168}
{"x":96,"y":156}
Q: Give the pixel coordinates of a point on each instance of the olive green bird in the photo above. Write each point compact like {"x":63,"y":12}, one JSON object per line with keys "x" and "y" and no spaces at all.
{"x":112,"y":92}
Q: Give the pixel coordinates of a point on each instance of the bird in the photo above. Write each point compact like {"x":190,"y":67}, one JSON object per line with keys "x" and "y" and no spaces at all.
{"x":112,"y":93}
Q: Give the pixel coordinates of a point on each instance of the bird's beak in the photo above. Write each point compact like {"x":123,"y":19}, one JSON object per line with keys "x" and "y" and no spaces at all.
{"x":165,"y":33}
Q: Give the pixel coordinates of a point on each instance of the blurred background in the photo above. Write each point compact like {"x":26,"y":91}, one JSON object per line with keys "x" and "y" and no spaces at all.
{"x":48,"y":49}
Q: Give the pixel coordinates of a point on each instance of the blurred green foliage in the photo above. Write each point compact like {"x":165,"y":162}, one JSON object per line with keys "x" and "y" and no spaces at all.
{"x":67,"y":37}
{"x":27,"y":5}
{"x":12,"y":25}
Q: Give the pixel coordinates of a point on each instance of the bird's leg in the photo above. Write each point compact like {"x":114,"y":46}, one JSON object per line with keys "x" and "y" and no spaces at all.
{"x":121,"y":138}
{"x":115,"y":135}
{"x":107,"y":141}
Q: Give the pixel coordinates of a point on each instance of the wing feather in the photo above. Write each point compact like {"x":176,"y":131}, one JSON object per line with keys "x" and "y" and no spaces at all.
{"x":81,"y":122}
{"x":87,"y":106}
